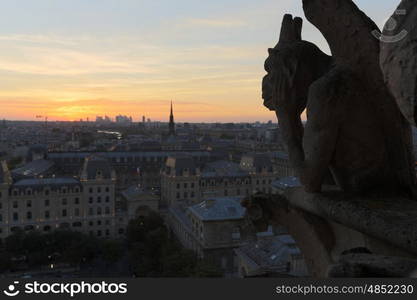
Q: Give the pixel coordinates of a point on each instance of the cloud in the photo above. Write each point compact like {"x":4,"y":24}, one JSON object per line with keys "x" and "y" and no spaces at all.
{"x":215,"y":23}
{"x":56,"y":61}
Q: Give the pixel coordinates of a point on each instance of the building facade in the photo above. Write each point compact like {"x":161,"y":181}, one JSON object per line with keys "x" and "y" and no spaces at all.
{"x":212,"y":229}
{"x":183,"y":180}
{"x":85,"y":204}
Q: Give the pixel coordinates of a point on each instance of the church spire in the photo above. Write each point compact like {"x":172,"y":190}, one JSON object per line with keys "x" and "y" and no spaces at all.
{"x":171,"y":121}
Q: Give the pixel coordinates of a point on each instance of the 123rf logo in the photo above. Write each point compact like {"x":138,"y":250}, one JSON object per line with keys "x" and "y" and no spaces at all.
{"x":71,"y":289}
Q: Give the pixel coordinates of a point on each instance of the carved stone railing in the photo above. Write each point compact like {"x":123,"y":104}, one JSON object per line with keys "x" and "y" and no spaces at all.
{"x":345,"y":236}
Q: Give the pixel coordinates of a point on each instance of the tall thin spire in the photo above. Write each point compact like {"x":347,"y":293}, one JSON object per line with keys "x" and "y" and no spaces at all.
{"x":171,"y":121}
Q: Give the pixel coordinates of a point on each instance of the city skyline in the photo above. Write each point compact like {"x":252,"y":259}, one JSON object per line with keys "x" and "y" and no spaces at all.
{"x":77,"y":60}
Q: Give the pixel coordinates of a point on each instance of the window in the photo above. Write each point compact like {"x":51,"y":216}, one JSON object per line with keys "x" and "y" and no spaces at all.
{"x":15,"y":216}
{"x":29,"y":203}
{"x":91,"y":223}
{"x":29,"y":215}
{"x":91,"y":190}
{"x":226,"y":192}
{"x":77,"y":212}
{"x":107,"y":199}
{"x":192,"y":185}
{"x":1,"y":218}
{"x":64,"y":212}
{"x":99,"y":210}
{"x":15,"y":204}
{"x":46,"y":202}
{"x":107,"y":232}
{"x":178,"y":186}
{"x":77,"y":201}
{"x":178,"y":195}
{"x":98,"y":232}
{"x":99,"y":223}
{"x":90,"y":200}
{"x":99,"y":190}
{"x":236,"y":234}
{"x":90,"y":211}
{"x":107,"y":211}
{"x":185,"y":185}
{"x":107,"y":189}
{"x":185,"y":195}
{"x":64,"y":201}
{"x":1,"y":205}
{"x":47,"y":214}
{"x":98,"y":199}
{"x":47,"y":192}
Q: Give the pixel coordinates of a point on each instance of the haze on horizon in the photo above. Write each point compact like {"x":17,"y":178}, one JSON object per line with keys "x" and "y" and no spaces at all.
{"x":76,"y":59}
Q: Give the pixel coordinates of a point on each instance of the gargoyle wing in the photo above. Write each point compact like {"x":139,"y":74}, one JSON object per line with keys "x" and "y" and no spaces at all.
{"x":348,"y":31}
{"x":399,"y":58}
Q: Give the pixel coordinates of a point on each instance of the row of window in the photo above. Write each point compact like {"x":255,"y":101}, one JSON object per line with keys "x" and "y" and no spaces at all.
{"x":98,"y":199}
{"x":185,"y":184}
{"x":98,"y":189}
{"x":64,"y":201}
{"x":63,"y":225}
{"x":64,"y":190}
{"x":64,"y":213}
{"x":191,"y":195}
{"x":29,"y":192}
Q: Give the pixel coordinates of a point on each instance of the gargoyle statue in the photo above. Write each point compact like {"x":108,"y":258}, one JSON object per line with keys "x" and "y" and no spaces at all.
{"x":354,"y":130}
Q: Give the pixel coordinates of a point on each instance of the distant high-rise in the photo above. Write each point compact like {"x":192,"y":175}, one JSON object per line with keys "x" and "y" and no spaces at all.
{"x":171,"y":122}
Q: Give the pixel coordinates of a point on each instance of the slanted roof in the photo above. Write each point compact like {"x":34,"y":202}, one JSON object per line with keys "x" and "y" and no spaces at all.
{"x":180,"y":163}
{"x":223,"y":168}
{"x":34,"y":168}
{"x":96,"y":166}
{"x":271,"y":253}
{"x":220,"y":208}
{"x":286,"y":183}
{"x":46,"y":181}
{"x":255,"y":161}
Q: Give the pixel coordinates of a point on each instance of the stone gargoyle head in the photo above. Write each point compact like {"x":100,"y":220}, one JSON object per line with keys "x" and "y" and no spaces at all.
{"x":292,"y":66}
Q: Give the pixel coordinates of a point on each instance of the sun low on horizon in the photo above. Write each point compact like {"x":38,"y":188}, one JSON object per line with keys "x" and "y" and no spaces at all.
{"x":72,"y":60}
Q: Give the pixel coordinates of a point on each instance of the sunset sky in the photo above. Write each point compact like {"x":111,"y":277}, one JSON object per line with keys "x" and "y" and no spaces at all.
{"x":81,"y":58}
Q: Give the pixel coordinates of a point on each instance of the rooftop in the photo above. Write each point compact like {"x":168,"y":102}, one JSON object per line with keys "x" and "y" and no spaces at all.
{"x":286,"y":183}
{"x":270,"y":253}
{"x":34,"y":168}
{"x":46,"y":181}
{"x":222,"y":208}
{"x":223,"y":168}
